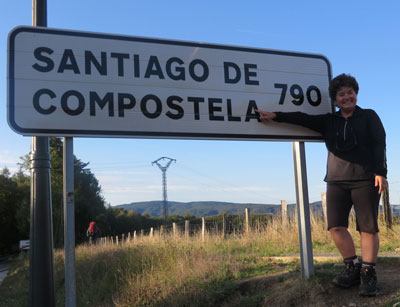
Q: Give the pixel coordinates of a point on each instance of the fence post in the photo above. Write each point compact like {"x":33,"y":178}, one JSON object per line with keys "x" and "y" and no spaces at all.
{"x":161,"y":230}
{"x":187,"y":229}
{"x":323,"y":204}
{"x":223,"y":225}
{"x":312,"y":219}
{"x":151,"y":232}
{"x":129,"y":237}
{"x":112,"y":240}
{"x":116,"y":240}
{"x":247,"y":213}
{"x":174,"y":229}
{"x":203,"y":228}
{"x":134,"y":235}
{"x":123,"y":238}
{"x":284,"y":212}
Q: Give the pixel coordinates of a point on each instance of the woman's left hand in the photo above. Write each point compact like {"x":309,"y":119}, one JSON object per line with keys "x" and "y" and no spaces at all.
{"x":381,"y":182}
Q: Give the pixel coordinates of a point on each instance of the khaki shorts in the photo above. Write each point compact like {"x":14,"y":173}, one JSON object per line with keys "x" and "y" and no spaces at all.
{"x":341,"y":196}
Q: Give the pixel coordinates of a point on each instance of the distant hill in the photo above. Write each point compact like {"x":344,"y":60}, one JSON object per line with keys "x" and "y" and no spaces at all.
{"x":210,"y":208}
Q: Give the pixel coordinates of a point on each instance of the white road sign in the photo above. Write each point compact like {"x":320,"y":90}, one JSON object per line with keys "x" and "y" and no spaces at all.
{"x":70,"y":83}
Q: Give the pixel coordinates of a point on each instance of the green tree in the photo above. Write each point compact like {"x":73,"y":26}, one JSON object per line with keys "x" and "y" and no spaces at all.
{"x":11,"y":199}
{"x":22,"y":214}
{"x":89,"y":203}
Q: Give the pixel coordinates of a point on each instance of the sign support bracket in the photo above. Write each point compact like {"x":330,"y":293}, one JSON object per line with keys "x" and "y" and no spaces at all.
{"x":69,"y":222}
{"x":303,"y":210}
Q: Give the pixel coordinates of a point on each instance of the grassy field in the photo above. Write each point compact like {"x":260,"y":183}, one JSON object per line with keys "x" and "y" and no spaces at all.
{"x":238,"y":270}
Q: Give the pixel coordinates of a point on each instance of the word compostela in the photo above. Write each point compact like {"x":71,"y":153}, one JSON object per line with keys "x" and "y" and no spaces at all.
{"x":74,"y":103}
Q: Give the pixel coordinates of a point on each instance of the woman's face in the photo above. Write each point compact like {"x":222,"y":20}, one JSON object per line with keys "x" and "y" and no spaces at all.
{"x":346,"y":99}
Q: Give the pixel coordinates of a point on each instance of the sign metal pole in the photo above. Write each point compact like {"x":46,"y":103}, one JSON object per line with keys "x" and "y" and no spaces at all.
{"x":69,"y":222}
{"x":303,"y":210}
{"x":41,"y":228}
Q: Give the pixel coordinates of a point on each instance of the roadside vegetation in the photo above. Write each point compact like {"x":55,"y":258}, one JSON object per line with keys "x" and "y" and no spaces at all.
{"x":255,"y":269}
{"x":90,"y":205}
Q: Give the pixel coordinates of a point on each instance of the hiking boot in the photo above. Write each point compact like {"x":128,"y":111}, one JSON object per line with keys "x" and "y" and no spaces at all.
{"x":368,"y":281}
{"x":350,"y":275}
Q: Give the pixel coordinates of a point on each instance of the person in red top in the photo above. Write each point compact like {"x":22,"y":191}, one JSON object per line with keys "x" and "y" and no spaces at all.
{"x":356,"y":176}
{"x":93,"y":232}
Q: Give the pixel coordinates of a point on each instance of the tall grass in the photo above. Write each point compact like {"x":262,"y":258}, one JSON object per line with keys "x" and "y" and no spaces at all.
{"x":167,"y":270}
{"x":179,"y":271}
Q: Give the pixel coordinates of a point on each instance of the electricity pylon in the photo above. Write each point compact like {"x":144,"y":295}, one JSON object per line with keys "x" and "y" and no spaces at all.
{"x":164,"y":180}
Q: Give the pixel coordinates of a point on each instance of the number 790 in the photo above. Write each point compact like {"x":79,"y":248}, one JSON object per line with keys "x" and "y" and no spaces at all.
{"x":313,"y":94}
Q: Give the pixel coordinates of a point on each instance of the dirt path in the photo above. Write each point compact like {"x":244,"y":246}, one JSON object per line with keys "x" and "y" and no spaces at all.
{"x":289,"y":289}
{"x":388,"y":290}
{"x":4,"y":264}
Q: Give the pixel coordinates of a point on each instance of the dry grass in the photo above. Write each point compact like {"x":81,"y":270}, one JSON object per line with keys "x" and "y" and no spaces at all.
{"x":179,"y":271}
{"x":176,"y":270}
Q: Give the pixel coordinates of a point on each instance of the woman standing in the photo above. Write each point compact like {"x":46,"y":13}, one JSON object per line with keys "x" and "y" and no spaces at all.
{"x":356,"y":175}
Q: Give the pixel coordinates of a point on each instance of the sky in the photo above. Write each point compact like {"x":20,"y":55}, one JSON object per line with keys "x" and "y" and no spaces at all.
{"x":358,"y":37}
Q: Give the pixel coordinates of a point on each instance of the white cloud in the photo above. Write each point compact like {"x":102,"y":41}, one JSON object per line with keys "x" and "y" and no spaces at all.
{"x":119,"y":172}
{"x":132,"y":189}
{"x":7,"y":157}
{"x":247,"y":189}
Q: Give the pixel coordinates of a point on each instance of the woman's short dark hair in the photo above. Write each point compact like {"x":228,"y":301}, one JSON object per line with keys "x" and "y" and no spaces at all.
{"x":340,"y":81}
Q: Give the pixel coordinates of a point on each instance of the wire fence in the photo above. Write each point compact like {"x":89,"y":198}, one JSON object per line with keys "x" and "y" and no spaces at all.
{"x":226,"y":224}
{"x":221,"y":225}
